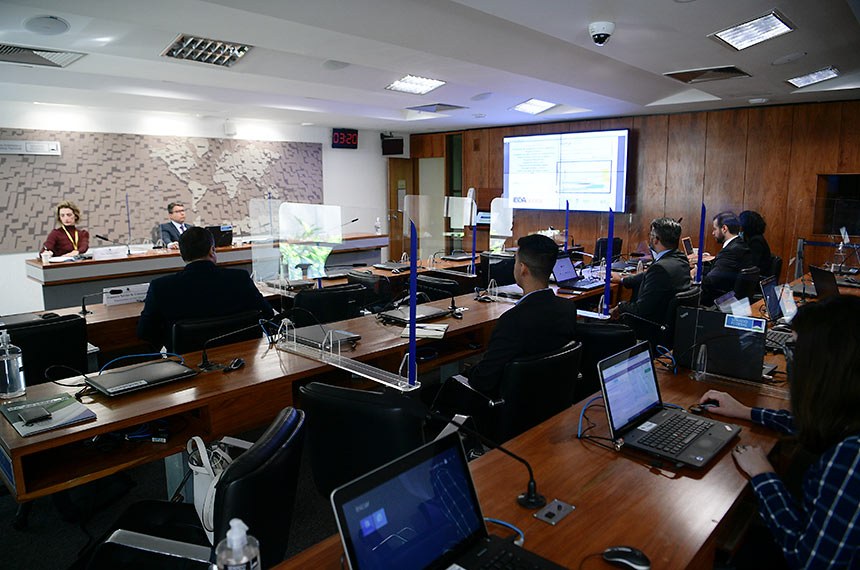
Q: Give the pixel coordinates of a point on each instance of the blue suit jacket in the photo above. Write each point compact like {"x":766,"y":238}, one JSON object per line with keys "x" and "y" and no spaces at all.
{"x":201,"y":290}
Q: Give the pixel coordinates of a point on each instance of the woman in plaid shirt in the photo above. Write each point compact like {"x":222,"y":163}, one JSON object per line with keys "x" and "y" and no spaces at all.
{"x":823,"y":529}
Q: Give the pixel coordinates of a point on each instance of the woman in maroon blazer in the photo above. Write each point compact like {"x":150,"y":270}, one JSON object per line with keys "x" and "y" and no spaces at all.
{"x":67,"y":239}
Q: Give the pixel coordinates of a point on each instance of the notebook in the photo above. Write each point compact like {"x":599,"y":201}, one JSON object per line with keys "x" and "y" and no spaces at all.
{"x":564,"y":271}
{"x":139,"y":376}
{"x":315,"y":335}
{"x":400,"y":316}
{"x":635,"y":412}
{"x":420,"y":511}
{"x":734,"y":345}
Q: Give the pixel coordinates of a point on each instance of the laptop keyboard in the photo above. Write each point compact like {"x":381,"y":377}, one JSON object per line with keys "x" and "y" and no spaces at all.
{"x":675,"y":434}
{"x":777,"y":339}
{"x":509,"y":560}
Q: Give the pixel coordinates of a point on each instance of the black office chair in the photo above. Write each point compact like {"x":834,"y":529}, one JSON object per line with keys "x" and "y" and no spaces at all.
{"x":601,"y":246}
{"x":352,"y":432}
{"x":775,"y":267}
{"x":599,"y":340}
{"x":329,"y":304}
{"x":53,"y":341}
{"x":747,"y":283}
{"x":688,"y":298}
{"x":189,"y":335}
{"x":533,"y":390}
{"x":437,"y":288}
{"x":496,"y":267}
{"x":258,"y":487}
{"x":378,"y":287}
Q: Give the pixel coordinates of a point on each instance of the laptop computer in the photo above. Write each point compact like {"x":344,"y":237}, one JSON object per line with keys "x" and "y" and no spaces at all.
{"x":635,"y":412}
{"x":400,"y":316}
{"x":687,"y":242}
{"x":588,"y":281}
{"x":223,"y":235}
{"x":392,"y":265}
{"x":734,"y":345}
{"x":565,"y":272}
{"x":420,"y":511}
{"x":775,"y":339}
{"x":457,"y":256}
{"x":825,"y":282}
{"x":315,"y":335}
{"x":139,"y":376}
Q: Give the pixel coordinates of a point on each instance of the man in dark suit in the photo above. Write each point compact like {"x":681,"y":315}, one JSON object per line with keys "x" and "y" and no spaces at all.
{"x":733,"y":256}
{"x":201,"y":290}
{"x":172,"y":230}
{"x":540,"y":322}
{"x":668,"y":274}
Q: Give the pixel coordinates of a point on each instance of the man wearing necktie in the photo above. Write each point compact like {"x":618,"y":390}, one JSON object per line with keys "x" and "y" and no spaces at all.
{"x":171,"y":230}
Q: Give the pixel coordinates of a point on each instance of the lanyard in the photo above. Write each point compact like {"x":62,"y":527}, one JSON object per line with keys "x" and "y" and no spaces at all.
{"x":74,"y":241}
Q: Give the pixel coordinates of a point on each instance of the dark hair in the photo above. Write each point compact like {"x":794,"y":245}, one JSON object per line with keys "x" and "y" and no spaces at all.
{"x":730,"y":220}
{"x":538,"y":253}
{"x":668,"y":231}
{"x":195,"y":243}
{"x":752,"y":223}
{"x":71,"y":206}
{"x":825,"y":391}
{"x":172,"y":205}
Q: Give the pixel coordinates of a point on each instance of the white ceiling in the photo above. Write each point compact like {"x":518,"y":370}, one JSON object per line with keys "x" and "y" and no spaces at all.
{"x":511,"y":50}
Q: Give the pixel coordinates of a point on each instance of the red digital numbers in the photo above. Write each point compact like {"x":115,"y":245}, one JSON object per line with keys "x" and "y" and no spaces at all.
{"x":344,"y":138}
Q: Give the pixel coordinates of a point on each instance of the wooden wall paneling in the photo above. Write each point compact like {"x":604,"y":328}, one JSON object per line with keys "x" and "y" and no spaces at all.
{"x":685,"y":171}
{"x":647,"y":183}
{"x":766,"y":178}
{"x":475,"y":159}
{"x":427,"y":145}
{"x":553,"y":128}
{"x":849,"y":138}
{"x":496,"y":157}
{"x":623,"y":221}
{"x":814,"y":150}
{"x":725,"y":157}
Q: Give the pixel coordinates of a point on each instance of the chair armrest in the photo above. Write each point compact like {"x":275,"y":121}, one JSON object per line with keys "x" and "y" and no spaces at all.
{"x":162,"y":546}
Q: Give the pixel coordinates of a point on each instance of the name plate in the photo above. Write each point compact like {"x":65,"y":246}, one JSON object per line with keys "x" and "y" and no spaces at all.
{"x":130,"y":294}
{"x":112,"y":252}
{"x":51,"y":148}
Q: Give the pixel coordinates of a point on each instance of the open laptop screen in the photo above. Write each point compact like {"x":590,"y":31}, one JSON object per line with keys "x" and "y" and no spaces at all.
{"x":418,"y":511}
{"x":688,"y":245}
{"x":771,"y":299}
{"x":629,"y":386}
{"x":564,"y":269}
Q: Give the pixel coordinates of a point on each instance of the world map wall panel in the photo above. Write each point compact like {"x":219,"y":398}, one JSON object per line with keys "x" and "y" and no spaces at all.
{"x":214,"y":178}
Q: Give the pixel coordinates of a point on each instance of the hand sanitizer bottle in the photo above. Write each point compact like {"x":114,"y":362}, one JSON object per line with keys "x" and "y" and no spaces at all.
{"x":11,"y":370}
{"x":378,"y":226}
{"x":238,"y":551}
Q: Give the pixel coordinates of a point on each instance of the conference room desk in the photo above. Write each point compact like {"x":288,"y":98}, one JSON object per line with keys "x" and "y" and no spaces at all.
{"x":63,"y":284}
{"x":674,"y":517}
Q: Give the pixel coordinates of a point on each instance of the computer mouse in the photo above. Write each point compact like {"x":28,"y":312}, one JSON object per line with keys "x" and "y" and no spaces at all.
{"x":484,"y":299}
{"x":395,"y":271}
{"x":457,"y":315}
{"x":235,"y":364}
{"x":49,"y":315}
{"x":627,"y":557}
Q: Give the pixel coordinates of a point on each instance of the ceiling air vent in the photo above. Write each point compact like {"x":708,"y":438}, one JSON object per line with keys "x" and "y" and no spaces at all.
{"x":436,"y":108}
{"x":39,"y":57}
{"x":204,"y":50}
{"x":709,"y":74}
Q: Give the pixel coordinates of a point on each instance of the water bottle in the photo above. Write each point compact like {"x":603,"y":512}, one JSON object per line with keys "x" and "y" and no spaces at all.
{"x":239,"y":551}
{"x":701,"y":372}
{"x":12,"y":374}
{"x":378,"y":227}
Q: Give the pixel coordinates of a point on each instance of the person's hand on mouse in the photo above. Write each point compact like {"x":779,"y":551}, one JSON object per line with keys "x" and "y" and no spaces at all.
{"x":726,"y":405}
{"x":752,"y":460}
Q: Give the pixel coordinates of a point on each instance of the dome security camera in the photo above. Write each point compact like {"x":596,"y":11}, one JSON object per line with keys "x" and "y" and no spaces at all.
{"x":600,"y":32}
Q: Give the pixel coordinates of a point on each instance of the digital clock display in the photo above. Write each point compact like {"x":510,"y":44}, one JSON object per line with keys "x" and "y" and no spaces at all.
{"x":344,"y":138}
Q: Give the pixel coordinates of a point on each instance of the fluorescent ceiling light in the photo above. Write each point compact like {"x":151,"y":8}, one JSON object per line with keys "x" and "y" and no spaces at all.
{"x":534,"y":106}
{"x":415,"y":85}
{"x":814,"y":77}
{"x":755,"y":31}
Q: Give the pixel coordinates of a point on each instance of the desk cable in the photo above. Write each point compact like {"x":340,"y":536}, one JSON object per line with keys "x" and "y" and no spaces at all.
{"x":664,"y":352}
{"x":518,"y":541}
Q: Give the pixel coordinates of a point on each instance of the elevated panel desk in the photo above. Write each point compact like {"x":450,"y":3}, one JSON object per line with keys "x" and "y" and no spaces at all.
{"x":63,"y":284}
{"x":673,"y":518}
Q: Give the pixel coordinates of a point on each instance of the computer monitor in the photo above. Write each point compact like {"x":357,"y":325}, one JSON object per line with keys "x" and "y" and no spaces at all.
{"x":600,"y":248}
{"x":190,"y":334}
{"x":223,"y":235}
{"x":51,"y":341}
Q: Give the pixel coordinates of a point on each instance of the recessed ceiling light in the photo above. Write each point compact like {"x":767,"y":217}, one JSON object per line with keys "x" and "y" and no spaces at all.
{"x":47,"y":25}
{"x":789,"y":58}
{"x":755,"y":31}
{"x":534,"y":106}
{"x":205,"y":50}
{"x":415,"y":85}
{"x":814,"y":77}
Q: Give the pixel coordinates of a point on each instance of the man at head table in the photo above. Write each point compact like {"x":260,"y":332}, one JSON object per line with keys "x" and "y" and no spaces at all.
{"x":67,"y":240}
{"x":201,"y":290}
{"x":170,"y":231}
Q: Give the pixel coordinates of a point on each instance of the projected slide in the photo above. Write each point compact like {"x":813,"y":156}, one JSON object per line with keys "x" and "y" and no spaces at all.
{"x":587,"y":170}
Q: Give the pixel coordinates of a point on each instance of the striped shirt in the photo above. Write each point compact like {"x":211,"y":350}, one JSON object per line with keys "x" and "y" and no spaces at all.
{"x":823,"y":531}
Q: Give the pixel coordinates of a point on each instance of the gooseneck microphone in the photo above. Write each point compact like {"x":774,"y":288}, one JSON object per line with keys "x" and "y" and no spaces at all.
{"x":531,"y":499}
{"x":352,"y":221}
{"x":84,"y":310}
{"x":205,"y":363}
{"x":127,"y":246}
{"x":660,"y":326}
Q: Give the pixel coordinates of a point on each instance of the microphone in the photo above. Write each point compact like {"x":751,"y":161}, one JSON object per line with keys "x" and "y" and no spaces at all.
{"x":455,"y":310}
{"x":84,"y":310}
{"x":531,"y":499}
{"x":644,"y":320}
{"x":349,"y":222}
{"x":205,"y":363}
{"x":103,"y":238}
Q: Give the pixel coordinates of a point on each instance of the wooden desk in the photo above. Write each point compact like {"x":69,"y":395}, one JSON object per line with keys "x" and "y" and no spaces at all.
{"x":63,"y":284}
{"x":673,"y":518}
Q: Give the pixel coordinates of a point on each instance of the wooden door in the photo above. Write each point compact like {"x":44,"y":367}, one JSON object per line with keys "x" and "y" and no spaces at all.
{"x":401,"y":182}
